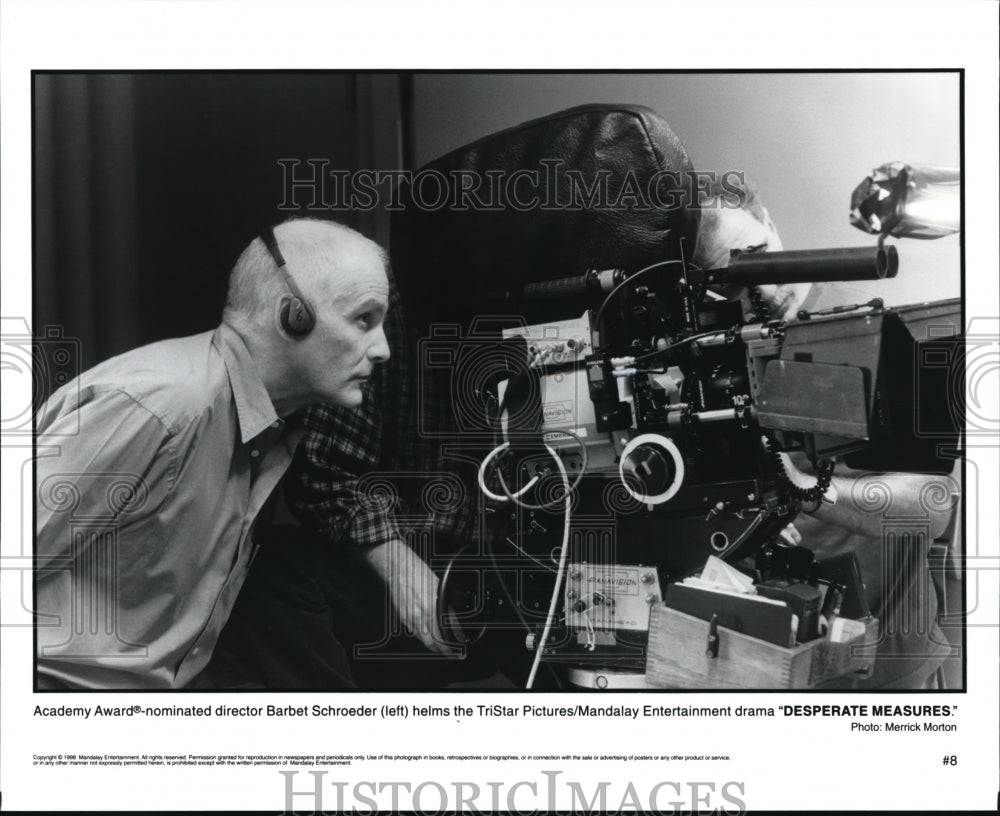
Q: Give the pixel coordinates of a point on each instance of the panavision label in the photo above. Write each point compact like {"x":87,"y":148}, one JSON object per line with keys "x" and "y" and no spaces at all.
{"x":621,"y":583}
{"x":560,"y":411}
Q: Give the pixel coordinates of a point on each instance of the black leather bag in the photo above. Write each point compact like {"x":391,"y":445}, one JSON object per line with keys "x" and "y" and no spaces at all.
{"x":592,"y":187}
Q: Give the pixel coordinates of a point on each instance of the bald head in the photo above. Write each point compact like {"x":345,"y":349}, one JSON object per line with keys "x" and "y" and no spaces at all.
{"x":726,"y":225}
{"x":320,"y":256}
{"x":343,"y":277}
{"x":745,"y":225}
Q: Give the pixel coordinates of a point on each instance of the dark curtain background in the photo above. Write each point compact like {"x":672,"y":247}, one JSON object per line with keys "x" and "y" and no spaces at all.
{"x":84,"y":211}
{"x":147,"y":186}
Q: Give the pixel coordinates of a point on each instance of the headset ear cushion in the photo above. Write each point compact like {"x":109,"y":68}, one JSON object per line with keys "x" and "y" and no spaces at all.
{"x":295,"y":316}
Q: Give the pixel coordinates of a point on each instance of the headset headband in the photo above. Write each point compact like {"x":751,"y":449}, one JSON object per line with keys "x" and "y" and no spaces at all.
{"x":296,"y":316}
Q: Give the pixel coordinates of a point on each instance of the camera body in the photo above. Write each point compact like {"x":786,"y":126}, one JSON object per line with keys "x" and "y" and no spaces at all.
{"x":663,"y":410}
{"x":667,"y":409}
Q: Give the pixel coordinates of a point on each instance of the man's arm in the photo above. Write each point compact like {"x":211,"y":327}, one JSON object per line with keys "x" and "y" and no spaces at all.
{"x":863,"y":503}
{"x":342,"y":446}
{"x":102,"y":464}
{"x":104,"y":457}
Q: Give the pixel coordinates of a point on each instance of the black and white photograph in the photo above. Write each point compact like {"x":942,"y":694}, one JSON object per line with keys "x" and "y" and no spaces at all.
{"x":585,"y":409}
{"x":501,"y":406}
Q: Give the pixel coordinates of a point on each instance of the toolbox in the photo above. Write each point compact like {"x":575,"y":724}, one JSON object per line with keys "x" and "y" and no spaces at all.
{"x":688,"y":652}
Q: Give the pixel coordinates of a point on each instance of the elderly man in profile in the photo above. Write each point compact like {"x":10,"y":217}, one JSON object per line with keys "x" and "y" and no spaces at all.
{"x":153,"y":466}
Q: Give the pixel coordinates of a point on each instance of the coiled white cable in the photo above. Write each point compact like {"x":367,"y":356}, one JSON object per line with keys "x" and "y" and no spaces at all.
{"x":481,"y":477}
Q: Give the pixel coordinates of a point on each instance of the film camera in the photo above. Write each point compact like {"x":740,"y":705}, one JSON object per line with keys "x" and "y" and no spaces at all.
{"x":632,"y":424}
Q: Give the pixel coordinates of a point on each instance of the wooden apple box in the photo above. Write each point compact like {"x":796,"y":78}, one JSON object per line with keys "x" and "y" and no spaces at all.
{"x":679,"y":656}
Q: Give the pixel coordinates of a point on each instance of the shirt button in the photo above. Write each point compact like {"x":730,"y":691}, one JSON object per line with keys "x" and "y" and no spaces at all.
{"x":255,"y":453}
{"x":276,"y":423}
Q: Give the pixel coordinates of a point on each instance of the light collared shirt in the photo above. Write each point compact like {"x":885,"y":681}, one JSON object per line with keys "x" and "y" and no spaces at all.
{"x":150,"y":471}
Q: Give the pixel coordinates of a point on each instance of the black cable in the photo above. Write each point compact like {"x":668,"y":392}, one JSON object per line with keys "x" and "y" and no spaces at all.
{"x":442,"y":605}
{"x":463,"y":639}
{"x":824,"y":475}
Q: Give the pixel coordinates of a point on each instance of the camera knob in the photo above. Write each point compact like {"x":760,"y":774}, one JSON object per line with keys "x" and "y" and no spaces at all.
{"x":651,"y":467}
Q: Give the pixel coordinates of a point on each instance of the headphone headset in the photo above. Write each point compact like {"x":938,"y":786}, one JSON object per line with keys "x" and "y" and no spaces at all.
{"x":297,"y":317}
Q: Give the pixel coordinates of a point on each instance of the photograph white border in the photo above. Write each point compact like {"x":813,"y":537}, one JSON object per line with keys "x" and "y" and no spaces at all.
{"x":786,"y":763}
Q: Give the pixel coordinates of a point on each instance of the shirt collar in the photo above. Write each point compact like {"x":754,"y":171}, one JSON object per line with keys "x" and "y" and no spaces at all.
{"x":254,"y":409}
